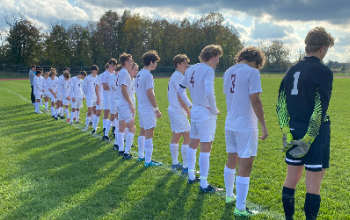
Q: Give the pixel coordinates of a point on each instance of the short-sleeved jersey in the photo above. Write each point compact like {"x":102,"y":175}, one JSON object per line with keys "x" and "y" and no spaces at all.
{"x":104,"y":79}
{"x":123,"y":79}
{"x":53,"y":84}
{"x":90,"y":84}
{"x":65,"y":88}
{"x":173,"y":98}
{"x":133,"y":92}
{"x":241,"y":81}
{"x":306,"y":90}
{"x":196,"y":78}
{"x":77,"y":88}
{"x":60,"y":81}
{"x":112,"y":83}
{"x":143,"y":82}
{"x":37,"y":84}
{"x":46,"y":84}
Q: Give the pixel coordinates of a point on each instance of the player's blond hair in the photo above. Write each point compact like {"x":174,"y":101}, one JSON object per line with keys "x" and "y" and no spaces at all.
{"x":66,"y":75}
{"x":135,"y":65}
{"x":252,"y":54}
{"x":317,"y":38}
{"x":180,"y":58}
{"x":46,"y":73}
{"x":209,"y":52}
{"x":52,"y":71}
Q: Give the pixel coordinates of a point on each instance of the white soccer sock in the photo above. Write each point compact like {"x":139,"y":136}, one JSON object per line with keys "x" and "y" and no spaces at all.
{"x":204,"y":168}
{"x":72,"y":115}
{"x":93,"y":115}
{"x":128,"y":143}
{"x":148,"y":150}
{"x":229,"y":176}
{"x":95,"y":123}
{"x":242,"y":188}
{"x":52,"y":111}
{"x":120,"y":137}
{"x":116,"y":123}
{"x":108,"y":127}
{"x":184,"y":155}
{"x":46,"y":105}
{"x":77,"y":115}
{"x":104,"y":121}
{"x":141,"y":145}
{"x":87,"y":121}
{"x":61,"y":111}
{"x":191,"y":160}
{"x":57,"y":112}
{"x":67,"y":113}
{"x":174,"y":149}
{"x":36,"y":106}
{"x":126,"y":132}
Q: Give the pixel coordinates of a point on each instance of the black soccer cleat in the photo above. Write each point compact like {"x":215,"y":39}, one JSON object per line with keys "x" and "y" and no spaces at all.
{"x":104,"y":130}
{"x":105,"y":138}
{"x":93,"y":131}
{"x":127,"y":156}
{"x":56,"y":118}
{"x":121,"y":153}
{"x":62,"y":117}
{"x":113,"y":129}
{"x":197,"y":179}
{"x":90,"y":123}
{"x":53,"y":116}
{"x":210,"y":189}
{"x":116,"y":147}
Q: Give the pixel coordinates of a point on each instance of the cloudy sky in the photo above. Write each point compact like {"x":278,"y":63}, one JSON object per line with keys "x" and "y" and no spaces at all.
{"x":257,"y":21}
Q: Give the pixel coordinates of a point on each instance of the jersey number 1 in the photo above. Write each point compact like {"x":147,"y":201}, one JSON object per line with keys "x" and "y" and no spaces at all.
{"x":295,"y":84}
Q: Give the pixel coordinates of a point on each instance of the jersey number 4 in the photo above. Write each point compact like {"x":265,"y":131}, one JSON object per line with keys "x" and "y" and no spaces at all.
{"x":192,"y":79}
{"x":233,"y":80}
{"x":295,"y":84}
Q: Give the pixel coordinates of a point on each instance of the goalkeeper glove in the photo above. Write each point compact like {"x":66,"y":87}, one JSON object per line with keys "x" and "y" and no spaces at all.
{"x":287,"y":139}
{"x":303,"y":146}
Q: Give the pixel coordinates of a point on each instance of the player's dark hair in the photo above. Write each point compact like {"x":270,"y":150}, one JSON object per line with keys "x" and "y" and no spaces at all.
{"x":66,"y":68}
{"x":33,"y":66}
{"x":252,"y":54}
{"x":113,"y":61}
{"x":66,"y":75}
{"x":179,"y":59}
{"x":107,"y":66}
{"x":317,"y":38}
{"x":83,"y":73}
{"x":135,"y":65}
{"x":124,"y":57}
{"x":38,"y":72}
{"x":150,"y":56}
{"x":119,"y":67}
{"x":94,"y":67}
{"x":209,"y":52}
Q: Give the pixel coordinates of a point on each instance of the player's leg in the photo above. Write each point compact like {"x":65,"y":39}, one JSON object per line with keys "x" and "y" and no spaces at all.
{"x":191,"y":158}
{"x":313,"y":181}
{"x":141,"y":144}
{"x":46,"y":103}
{"x":231,"y":164}
{"x":78,"y":106}
{"x":108,"y":126}
{"x":57,"y":114}
{"x":105,"y":118}
{"x":174,"y":150}
{"x":96,"y":119}
{"x":53,"y":107}
{"x":120,"y":136}
{"x":184,"y":149}
{"x":129,"y":138}
{"x":66,"y":110}
{"x":91,"y":107}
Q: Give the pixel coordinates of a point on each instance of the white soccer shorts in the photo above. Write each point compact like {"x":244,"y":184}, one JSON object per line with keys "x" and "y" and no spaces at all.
{"x":90,"y":103}
{"x":59,"y":96}
{"x":113,"y":107}
{"x":78,"y":104}
{"x":37,"y":95}
{"x":46,"y":94}
{"x":179,"y":122}
{"x":52,"y":97}
{"x":147,"y":119}
{"x":204,"y":131}
{"x":124,"y":113}
{"x":65,"y":101}
{"x":106,"y":104}
{"x":100,"y":106}
{"x":245,"y":144}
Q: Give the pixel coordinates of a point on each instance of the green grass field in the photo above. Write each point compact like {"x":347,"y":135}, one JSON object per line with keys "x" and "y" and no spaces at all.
{"x":51,"y":170}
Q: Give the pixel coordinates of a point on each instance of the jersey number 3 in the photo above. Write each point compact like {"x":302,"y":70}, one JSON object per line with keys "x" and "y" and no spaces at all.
{"x":233,"y":80}
{"x":295,"y":84}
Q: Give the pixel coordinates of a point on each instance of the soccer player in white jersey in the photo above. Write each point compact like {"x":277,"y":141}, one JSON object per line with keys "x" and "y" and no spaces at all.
{"x":99,"y":103}
{"x":148,"y":109}
{"x":125,"y":106}
{"x":89,"y":87}
{"x":199,"y":79}
{"x":65,"y":92}
{"x":42,"y":84}
{"x":59,"y":104}
{"x":178,"y":112}
{"x":112,"y":83}
{"x":112,"y":64}
{"x":46,"y":92}
{"x":77,"y":95}
{"x":53,"y":85}
{"x":38,"y":90}
{"x":242,"y":88}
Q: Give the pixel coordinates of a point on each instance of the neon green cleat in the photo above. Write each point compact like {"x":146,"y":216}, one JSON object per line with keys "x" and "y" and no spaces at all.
{"x":230,"y":199}
{"x":244,"y":213}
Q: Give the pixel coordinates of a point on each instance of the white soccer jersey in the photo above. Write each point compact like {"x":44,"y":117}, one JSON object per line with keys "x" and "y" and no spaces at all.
{"x":46,"y":84}
{"x":241,"y":81}
{"x":101,"y":90}
{"x":104,"y":79}
{"x":65,"y":88}
{"x":143,"y":82}
{"x":77,"y":88}
{"x":123,"y":79}
{"x":89,"y":85}
{"x":173,"y":98}
{"x":37,"y":85}
{"x":60,"y":86}
{"x":199,"y":79}
{"x":133,"y":93}
{"x":53,"y":84}
{"x":112,"y":83}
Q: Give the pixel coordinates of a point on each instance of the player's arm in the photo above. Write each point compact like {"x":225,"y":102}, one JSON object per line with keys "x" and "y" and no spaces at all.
{"x":113,"y":85}
{"x":283,"y":117}
{"x":105,"y":86}
{"x":85,"y":82}
{"x":177,"y":83}
{"x":97,"y":91}
{"x":259,"y":112}
{"x":209,"y":91}
{"x":151,"y":96}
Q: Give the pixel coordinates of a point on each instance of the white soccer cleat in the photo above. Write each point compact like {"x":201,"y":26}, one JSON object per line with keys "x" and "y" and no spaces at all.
{"x":86,"y":128}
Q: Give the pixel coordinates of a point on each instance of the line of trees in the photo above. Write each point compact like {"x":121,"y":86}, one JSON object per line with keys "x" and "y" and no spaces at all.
{"x":76,"y":45}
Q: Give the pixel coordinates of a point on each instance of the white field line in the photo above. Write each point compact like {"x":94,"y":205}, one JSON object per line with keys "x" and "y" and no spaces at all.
{"x":252,"y":206}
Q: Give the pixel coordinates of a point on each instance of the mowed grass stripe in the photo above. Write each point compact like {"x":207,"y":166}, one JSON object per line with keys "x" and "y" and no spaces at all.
{"x":44,"y":162}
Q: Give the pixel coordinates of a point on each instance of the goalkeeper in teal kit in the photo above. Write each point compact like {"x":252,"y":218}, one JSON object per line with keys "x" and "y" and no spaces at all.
{"x":304,"y":96}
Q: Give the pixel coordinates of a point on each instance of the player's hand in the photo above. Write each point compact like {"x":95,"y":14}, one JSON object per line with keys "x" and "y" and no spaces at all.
{"x":83,"y":98}
{"x":265,"y":133}
{"x":73,"y":99}
{"x":55,"y":96}
{"x":68,"y":98}
{"x":287,"y":142}
{"x":132,"y":108}
{"x":218,"y":113}
{"x":98,"y":101}
{"x":158,"y":114}
{"x":302,"y":148}
{"x":188,"y":112}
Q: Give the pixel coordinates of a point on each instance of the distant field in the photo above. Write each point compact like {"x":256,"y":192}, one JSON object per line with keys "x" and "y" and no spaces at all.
{"x":51,"y":170}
